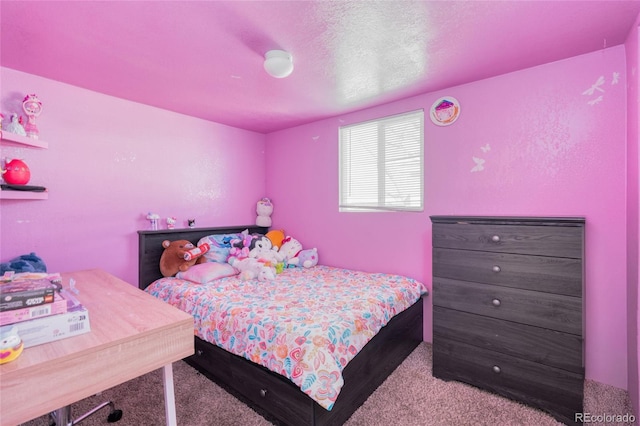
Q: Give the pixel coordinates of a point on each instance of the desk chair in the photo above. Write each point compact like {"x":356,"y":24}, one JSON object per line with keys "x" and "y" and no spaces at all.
{"x":62,"y":416}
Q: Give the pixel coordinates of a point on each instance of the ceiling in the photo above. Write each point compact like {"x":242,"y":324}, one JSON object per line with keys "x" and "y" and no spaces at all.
{"x":205,"y":58}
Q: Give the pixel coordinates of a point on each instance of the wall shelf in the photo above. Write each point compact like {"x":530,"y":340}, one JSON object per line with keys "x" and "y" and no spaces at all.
{"x":8,"y":194}
{"x":13,"y":139}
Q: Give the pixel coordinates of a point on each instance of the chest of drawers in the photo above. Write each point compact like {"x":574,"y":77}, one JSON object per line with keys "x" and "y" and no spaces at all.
{"x":508,"y":308}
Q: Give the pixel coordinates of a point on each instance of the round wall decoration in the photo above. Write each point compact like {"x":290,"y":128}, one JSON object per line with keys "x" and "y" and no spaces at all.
{"x":445,"y":111}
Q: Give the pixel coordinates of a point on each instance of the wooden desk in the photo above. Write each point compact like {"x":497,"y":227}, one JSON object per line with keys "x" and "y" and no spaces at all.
{"x":132,"y":333}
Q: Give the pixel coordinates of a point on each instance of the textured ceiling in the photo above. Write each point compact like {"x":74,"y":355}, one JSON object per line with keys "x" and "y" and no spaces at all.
{"x":204,"y":58}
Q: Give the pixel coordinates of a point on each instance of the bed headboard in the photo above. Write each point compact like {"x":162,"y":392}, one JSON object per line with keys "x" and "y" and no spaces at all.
{"x":150,"y":246}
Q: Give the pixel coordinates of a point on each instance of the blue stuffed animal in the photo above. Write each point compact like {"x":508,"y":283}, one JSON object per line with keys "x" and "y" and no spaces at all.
{"x":25,"y":263}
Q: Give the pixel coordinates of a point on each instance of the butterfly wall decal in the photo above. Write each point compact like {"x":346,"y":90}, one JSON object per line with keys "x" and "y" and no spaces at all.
{"x":479,"y":164}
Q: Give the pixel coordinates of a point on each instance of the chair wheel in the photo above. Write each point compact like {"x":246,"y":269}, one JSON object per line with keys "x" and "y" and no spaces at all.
{"x":114,"y":416}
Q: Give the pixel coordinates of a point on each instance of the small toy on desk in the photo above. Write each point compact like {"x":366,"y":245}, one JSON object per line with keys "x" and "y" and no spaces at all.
{"x":11,"y":345}
{"x":191,"y":223}
{"x":173,"y":260}
{"x":264,"y":209}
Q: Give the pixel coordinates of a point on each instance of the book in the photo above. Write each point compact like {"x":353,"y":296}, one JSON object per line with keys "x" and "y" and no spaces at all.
{"x":24,"y":293}
{"x":51,"y":328}
{"x":58,"y":306}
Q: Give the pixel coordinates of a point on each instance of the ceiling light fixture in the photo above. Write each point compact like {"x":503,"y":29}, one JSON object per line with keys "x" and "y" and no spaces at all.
{"x":278,"y":63}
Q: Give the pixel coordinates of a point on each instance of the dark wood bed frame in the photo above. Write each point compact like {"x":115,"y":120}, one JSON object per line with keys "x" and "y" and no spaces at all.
{"x":274,"y":396}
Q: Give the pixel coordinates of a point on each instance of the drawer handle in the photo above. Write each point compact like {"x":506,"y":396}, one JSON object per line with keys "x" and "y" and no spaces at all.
{"x":496,"y":302}
{"x":496,"y":268}
{"x":263,"y":392}
{"x":496,"y":369}
{"x":495,"y":238}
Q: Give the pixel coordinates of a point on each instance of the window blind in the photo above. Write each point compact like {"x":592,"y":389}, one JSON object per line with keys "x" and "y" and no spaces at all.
{"x":382,"y":164}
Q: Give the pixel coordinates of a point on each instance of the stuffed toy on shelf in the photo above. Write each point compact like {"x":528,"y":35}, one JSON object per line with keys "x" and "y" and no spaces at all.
{"x":264,"y":209}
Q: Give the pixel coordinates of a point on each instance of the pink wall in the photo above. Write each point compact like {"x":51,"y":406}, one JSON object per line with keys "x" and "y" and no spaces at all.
{"x":554,"y":149}
{"x":109,"y":162}
{"x":633,"y":204}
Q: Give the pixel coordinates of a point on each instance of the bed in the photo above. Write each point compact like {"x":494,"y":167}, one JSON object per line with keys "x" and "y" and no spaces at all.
{"x":274,"y":394}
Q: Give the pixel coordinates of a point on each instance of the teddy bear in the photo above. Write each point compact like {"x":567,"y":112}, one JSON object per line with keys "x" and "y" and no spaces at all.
{"x":264,"y":209}
{"x":175,"y":255}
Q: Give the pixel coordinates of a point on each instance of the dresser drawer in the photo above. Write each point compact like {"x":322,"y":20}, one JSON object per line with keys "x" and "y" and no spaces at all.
{"x":552,"y":311}
{"x":554,"y":390}
{"x":552,"y":348}
{"x":555,"y":241}
{"x":559,"y":275}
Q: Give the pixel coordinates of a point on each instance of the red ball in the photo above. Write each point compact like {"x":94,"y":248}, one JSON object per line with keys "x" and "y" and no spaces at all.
{"x":16,"y":172}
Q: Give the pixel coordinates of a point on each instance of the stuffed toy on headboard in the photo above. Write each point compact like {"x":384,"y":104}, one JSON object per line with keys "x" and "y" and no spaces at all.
{"x":180,"y":255}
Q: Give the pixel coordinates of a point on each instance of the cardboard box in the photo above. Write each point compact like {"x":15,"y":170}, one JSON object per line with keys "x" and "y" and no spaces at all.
{"x":54,"y":327}
{"x":25,"y":293}
{"x":59,"y":306}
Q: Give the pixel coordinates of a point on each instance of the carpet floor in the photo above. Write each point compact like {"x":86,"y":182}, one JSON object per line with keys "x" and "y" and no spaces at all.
{"x":410,"y":396}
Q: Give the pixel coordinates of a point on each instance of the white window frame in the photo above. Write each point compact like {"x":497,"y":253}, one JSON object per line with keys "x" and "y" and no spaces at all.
{"x":366,"y":140}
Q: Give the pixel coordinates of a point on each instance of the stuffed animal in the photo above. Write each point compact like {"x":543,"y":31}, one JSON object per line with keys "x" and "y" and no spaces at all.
{"x":24,"y":263}
{"x":262,"y":249}
{"x":290,"y":249}
{"x":251,"y":268}
{"x":275,"y":236}
{"x":173,"y":260}
{"x":308,"y":258}
{"x":241,"y":245}
{"x":264,"y":209}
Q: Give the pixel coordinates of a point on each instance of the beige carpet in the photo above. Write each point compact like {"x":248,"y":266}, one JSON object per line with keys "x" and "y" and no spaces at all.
{"x":409,"y":397}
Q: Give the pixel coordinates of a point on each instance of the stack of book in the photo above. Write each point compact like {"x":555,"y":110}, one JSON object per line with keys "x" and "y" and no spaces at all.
{"x":37,"y":307}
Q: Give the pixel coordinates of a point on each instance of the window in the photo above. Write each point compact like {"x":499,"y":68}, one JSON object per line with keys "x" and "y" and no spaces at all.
{"x":381,"y":164}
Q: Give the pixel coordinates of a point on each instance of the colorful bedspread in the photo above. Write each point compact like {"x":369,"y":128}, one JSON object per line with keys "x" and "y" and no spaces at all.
{"x":306,"y":325}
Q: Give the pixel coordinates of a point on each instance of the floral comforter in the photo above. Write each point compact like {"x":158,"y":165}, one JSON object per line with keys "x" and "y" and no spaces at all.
{"x":306,"y":325}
